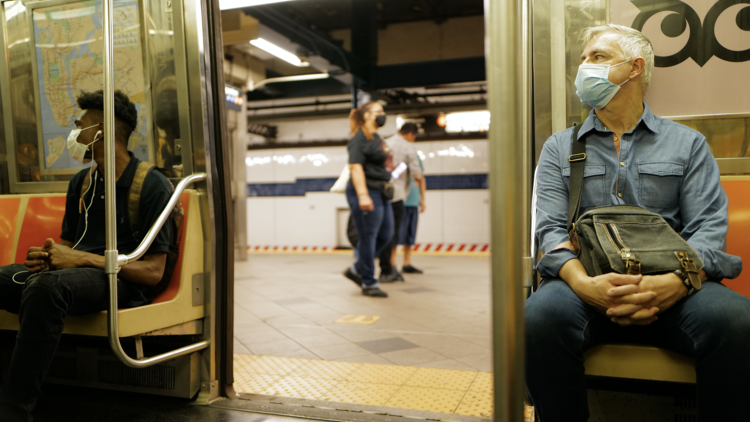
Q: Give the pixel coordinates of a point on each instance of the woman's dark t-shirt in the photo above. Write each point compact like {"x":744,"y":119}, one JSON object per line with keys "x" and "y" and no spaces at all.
{"x":374,"y":156}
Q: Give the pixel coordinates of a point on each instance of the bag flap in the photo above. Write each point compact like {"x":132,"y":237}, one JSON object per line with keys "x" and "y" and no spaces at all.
{"x":650,"y":239}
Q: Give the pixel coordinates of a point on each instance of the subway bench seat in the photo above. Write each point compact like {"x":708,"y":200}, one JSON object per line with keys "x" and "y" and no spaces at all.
{"x":27,"y":220}
{"x":635,"y":361}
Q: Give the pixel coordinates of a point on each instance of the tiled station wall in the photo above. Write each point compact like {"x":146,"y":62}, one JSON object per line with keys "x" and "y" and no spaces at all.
{"x":289,"y":204}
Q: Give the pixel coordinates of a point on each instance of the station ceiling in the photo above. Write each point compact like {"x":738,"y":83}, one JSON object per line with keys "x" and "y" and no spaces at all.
{"x":331,"y":15}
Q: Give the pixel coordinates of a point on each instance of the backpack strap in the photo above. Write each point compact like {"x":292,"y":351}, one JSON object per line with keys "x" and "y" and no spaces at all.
{"x":576,"y":160}
{"x":134,"y":196}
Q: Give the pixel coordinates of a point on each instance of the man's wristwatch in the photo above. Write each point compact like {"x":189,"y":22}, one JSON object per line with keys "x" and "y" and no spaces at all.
{"x":691,"y":287}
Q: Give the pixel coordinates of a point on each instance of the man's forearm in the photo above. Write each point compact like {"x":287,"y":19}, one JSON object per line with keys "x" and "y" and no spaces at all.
{"x":573,"y":273}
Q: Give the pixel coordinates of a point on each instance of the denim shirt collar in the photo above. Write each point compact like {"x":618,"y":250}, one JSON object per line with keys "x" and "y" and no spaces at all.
{"x":593,"y":123}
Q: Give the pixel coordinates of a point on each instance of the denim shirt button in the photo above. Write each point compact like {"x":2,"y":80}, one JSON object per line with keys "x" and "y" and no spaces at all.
{"x":622,"y":164}
{"x":620,"y":195}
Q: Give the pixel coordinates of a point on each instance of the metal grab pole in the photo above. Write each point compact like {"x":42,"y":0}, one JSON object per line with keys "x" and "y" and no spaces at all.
{"x":110,"y":210}
{"x":504,"y":45}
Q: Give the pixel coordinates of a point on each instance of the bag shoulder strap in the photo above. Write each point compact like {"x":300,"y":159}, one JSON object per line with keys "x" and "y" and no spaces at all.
{"x":576,"y":160}
{"x":134,"y":195}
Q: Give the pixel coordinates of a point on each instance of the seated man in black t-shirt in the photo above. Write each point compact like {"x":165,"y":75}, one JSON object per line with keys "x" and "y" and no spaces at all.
{"x":68,"y":278}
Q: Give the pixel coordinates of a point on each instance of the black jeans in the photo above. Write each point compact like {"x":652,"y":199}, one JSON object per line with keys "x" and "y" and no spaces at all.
{"x":41,"y":304}
{"x":385,"y":254}
{"x":711,"y":325}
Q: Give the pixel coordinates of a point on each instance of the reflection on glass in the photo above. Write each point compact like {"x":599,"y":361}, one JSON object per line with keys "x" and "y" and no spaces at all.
{"x":728,"y":137}
{"x":22,"y":96}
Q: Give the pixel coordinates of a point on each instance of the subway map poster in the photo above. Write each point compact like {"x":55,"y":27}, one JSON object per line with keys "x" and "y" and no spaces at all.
{"x":69,"y":60}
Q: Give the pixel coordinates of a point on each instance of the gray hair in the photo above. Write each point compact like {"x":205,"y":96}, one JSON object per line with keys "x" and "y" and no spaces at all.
{"x":632,"y":43}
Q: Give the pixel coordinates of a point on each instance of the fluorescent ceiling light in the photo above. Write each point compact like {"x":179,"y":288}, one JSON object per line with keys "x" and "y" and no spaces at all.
{"x":294,"y":78}
{"x":237,"y":4}
{"x":278,"y":52}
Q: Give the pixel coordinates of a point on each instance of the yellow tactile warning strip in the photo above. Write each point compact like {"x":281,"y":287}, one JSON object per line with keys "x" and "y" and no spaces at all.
{"x":357,"y":319}
{"x":406,"y":387}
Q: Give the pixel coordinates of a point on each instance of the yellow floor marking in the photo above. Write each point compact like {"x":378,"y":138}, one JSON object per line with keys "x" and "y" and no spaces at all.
{"x":357,"y":319}
{"x":361,"y":393}
{"x":476,"y":404}
{"x":406,"y":387}
{"x":428,"y":399}
{"x":442,"y":378}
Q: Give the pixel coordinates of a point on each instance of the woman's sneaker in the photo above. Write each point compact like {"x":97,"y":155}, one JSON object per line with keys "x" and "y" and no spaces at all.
{"x":374,"y":292}
{"x":351,"y":275}
{"x":411,"y":270}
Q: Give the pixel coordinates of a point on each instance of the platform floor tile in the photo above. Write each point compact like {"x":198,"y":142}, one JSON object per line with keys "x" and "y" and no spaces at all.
{"x":429,"y":389}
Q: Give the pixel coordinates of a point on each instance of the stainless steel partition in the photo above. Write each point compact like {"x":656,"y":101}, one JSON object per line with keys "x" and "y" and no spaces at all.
{"x":508,"y":76}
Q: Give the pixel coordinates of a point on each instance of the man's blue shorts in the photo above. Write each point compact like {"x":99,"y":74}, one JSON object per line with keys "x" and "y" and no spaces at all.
{"x":408,"y":231}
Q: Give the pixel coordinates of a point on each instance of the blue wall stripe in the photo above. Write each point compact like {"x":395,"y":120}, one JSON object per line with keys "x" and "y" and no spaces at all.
{"x":302,"y":186}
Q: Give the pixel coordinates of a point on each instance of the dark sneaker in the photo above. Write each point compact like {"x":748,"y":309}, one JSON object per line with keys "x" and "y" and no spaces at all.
{"x":411,"y":270}
{"x":353,"y":277}
{"x":374,"y":292}
{"x":391,"y":278}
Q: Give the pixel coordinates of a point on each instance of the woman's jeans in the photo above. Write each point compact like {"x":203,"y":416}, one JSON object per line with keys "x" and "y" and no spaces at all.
{"x":374,"y":229}
{"x":712,"y":325}
{"x":41,"y":305}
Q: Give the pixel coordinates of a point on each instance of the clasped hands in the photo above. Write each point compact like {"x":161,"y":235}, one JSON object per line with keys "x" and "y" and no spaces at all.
{"x":631,"y":299}
{"x":52,"y":256}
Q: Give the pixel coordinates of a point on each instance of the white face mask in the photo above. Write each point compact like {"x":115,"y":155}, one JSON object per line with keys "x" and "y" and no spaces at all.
{"x":78,"y":150}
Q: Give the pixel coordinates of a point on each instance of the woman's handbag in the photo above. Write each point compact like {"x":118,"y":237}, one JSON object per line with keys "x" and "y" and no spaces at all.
{"x":624,"y":239}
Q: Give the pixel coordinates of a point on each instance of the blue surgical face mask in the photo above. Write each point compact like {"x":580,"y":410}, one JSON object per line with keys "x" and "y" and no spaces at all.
{"x":593,"y":85}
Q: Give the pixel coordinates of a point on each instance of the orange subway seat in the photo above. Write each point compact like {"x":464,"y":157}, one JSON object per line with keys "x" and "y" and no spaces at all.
{"x":8,"y":221}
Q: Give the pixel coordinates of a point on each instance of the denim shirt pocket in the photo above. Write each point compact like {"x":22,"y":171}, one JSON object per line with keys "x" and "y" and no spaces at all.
{"x":594,"y":185}
{"x":660,"y":184}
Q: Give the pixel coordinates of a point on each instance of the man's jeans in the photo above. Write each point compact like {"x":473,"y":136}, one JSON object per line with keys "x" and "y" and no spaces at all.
{"x":374,"y":229}
{"x":41,"y":305}
{"x":713,"y":326}
{"x":385,"y":255}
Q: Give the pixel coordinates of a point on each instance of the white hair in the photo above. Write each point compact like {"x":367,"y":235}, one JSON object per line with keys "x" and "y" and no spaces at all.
{"x":632,"y":43}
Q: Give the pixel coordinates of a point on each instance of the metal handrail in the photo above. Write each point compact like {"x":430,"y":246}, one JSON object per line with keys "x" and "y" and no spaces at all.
{"x":112,"y":317}
{"x":111,"y":259}
{"x":151,"y":235}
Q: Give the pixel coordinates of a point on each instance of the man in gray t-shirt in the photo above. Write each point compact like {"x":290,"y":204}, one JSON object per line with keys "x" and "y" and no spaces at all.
{"x":407,"y":168}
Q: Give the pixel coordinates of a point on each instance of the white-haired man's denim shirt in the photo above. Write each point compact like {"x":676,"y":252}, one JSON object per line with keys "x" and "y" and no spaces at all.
{"x":664,"y":167}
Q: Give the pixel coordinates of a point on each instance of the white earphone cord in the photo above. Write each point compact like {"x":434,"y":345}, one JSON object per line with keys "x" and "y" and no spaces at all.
{"x":85,"y":228}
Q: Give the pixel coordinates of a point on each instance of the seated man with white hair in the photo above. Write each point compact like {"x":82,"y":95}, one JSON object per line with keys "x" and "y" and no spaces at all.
{"x":633,"y":158}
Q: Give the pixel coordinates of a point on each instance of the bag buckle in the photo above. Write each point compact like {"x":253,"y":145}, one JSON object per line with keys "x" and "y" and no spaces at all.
{"x":577,"y":157}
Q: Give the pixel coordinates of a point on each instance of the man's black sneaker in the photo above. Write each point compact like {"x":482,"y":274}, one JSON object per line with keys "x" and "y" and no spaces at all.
{"x":411,"y":270}
{"x":374,"y":292}
{"x":353,"y":277}
{"x":391,"y":277}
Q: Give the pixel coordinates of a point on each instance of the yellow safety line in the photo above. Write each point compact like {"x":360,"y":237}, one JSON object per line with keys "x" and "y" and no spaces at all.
{"x":350,"y":252}
{"x":406,"y":387}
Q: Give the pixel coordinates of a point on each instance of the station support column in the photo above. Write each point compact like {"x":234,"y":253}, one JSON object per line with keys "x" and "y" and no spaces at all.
{"x":508,"y":77}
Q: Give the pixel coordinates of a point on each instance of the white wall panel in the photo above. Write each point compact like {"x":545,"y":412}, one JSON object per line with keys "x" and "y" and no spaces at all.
{"x":453,"y":216}
{"x":260,"y":221}
{"x":466,"y":216}
{"x":430,"y":226}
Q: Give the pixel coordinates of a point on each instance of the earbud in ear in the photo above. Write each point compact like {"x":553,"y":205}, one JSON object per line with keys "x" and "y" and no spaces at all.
{"x":96,"y":137}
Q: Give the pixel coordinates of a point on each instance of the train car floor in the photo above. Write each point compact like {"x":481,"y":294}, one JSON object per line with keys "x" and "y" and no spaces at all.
{"x":302,"y":330}
{"x":60,"y":403}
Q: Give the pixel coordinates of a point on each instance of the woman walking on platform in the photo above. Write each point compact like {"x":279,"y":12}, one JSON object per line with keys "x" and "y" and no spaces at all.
{"x":368,"y":193}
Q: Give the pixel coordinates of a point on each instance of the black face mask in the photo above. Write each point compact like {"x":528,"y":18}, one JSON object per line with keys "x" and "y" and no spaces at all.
{"x":380,"y":120}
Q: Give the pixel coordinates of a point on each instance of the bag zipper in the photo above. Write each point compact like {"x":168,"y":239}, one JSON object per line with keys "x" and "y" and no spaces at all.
{"x":632,"y":265}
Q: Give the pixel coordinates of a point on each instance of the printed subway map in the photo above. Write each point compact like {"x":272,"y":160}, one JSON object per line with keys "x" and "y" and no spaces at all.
{"x":69,"y":55}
